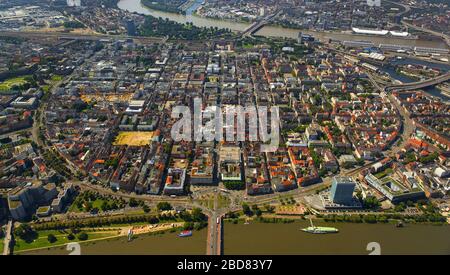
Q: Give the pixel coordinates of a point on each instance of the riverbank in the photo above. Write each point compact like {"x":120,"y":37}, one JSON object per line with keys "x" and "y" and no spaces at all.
{"x":93,"y":234}
{"x":287,"y":238}
{"x":161,"y":6}
{"x":271,"y":30}
{"x":158,"y":243}
{"x":367,"y":217}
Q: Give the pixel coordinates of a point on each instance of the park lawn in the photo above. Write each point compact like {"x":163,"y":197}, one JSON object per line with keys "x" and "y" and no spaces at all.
{"x":56,"y":78}
{"x":207,"y":201}
{"x":98,"y":203}
{"x":2,"y":244}
{"x":45,"y":88}
{"x":73,"y":208}
{"x":222,"y":201}
{"x":42,"y":242}
{"x":95,"y":204}
{"x":9,"y":83}
{"x":118,"y":225}
{"x":211,"y":204}
{"x":136,"y":212}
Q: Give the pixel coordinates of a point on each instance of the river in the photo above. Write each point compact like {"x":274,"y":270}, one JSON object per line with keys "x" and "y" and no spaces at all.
{"x":136,"y":6}
{"x":272,"y":239}
{"x":270,"y":31}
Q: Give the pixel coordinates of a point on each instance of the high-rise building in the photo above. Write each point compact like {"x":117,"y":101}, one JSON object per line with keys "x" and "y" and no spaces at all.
{"x":342,"y":190}
{"x":131,"y":27}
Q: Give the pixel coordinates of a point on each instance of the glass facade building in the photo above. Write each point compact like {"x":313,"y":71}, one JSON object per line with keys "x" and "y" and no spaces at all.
{"x":342,"y":190}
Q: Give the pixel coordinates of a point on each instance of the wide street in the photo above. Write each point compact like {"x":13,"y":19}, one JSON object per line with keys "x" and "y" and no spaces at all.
{"x":407,"y":123}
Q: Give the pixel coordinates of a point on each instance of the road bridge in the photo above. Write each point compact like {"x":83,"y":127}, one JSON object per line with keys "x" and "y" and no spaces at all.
{"x":445,"y":37}
{"x":215,"y":228}
{"x":419,"y":84}
{"x":253,"y":28}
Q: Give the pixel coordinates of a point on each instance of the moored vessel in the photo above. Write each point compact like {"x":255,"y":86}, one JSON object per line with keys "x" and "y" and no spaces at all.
{"x":319,"y":229}
{"x":185,"y":233}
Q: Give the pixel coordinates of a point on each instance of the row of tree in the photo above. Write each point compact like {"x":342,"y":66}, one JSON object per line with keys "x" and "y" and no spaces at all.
{"x":195,"y":216}
{"x":164,"y":27}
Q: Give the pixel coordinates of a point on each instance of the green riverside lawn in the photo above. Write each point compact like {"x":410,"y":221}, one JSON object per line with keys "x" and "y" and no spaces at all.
{"x":42,"y":242}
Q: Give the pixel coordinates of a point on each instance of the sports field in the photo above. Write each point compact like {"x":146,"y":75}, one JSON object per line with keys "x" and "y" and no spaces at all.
{"x":133,"y":138}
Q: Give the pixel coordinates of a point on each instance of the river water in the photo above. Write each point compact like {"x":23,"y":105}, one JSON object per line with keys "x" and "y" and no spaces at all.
{"x":136,"y":6}
{"x":272,"y":239}
{"x":269,"y":238}
{"x":270,"y":31}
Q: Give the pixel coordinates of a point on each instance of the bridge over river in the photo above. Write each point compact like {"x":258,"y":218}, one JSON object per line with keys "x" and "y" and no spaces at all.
{"x":253,"y":28}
